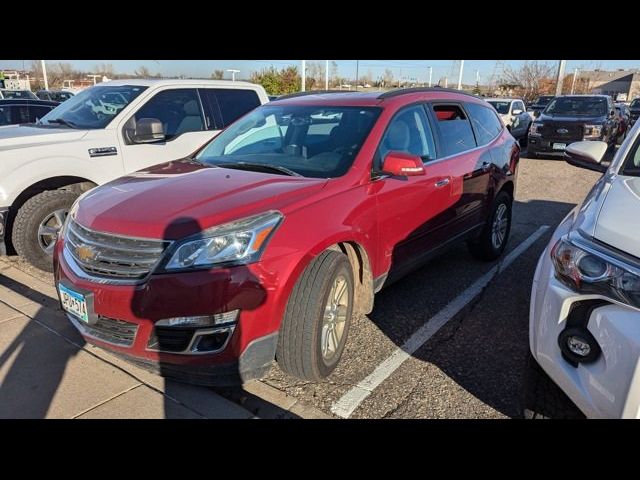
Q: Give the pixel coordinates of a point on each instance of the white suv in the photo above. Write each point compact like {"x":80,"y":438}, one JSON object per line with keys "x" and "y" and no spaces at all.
{"x":98,"y":135}
{"x":584,"y":329}
{"x":513,"y":114}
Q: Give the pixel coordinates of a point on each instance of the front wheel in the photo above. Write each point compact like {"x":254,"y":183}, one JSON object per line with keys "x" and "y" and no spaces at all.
{"x":37,"y":223}
{"x":316,"y":321}
{"x":494,"y":236}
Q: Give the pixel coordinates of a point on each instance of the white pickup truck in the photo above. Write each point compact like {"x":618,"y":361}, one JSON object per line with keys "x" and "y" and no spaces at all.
{"x":98,"y":135}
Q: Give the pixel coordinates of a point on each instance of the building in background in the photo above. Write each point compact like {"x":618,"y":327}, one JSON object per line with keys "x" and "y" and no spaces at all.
{"x":622,"y":85}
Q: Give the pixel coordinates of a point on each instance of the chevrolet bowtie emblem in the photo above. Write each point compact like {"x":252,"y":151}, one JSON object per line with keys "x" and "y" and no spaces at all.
{"x":86,"y":253}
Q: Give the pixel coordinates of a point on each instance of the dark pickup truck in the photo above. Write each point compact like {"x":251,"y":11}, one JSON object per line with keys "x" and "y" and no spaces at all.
{"x":573,"y":118}
{"x":635,"y":110}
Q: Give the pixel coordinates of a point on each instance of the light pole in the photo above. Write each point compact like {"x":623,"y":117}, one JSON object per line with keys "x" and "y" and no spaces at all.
{"x":573,"y":82}
{"x":233,"y":73}
{"x":430,"y":75}
{"x":44,"y":74}
{"x":460,"y":75}
{"x":304,"y":76}
{"x":561,"y":66}
{"x":326,"y":75}
{"x":357,"y":67}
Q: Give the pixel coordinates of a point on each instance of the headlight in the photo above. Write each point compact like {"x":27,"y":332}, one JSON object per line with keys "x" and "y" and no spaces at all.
{"x":536,"y":129}
{"x":586,"y":268}
{"x":239,"y":242}
{"x":592,"y":131}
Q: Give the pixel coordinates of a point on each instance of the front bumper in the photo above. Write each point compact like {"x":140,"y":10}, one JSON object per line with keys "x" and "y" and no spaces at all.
{"x":4,"y":215}
{"x":123,"y":319}
{"x":540,"y":145}
{"x":610,"y":386}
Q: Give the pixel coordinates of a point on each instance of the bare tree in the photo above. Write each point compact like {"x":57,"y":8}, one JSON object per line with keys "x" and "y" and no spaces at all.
{"x":217,"y":75}
{"x":530,"y":80}
{"x":105,"y":69}
{"x":142,"y":71}
{"x":387,"y":77}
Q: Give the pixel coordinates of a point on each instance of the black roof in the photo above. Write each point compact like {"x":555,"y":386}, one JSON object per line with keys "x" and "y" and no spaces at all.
{"x":28,"y":101}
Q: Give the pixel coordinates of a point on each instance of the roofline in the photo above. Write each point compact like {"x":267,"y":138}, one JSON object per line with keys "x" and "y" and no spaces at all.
{"x":311,"y":92}
{"x":406,"y":91}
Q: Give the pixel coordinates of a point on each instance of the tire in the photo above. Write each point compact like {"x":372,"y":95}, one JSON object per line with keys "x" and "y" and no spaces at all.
{"x":37,"y":209}
{"x":299,"y":352}
{"x":541,"y":398}
{"x":483,"y":247}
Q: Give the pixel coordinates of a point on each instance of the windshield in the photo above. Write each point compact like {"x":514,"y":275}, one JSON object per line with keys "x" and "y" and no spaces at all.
{"x":587,"y":106}
{"x":635,"y":103}
{"x":94,"y":107}
{"x":318,"y":142}
{"x":501,"y":107}
{"x":26,"y":94}
{"x":543,"y":100}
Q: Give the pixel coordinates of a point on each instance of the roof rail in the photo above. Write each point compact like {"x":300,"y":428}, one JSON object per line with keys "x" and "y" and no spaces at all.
{"x":312,"y":92}
{"x":403,"y":91}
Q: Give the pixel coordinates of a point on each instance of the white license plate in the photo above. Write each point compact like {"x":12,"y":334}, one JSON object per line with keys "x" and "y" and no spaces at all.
{"x":559,"y":146}
{"x":74,"y":303}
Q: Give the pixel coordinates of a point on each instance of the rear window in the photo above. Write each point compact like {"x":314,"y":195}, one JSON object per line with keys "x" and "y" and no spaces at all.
{"x":485,"y":122}
{"x":234,"y":103}
{"x":455,"y":129}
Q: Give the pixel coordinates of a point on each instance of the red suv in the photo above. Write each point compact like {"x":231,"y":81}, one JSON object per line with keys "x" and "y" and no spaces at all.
{"x":266,"y":242}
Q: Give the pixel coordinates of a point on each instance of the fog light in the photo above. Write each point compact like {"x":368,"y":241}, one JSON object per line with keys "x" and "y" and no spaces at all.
{"x":212,"y":342}
{"x":578,"y":345}
{"x":200,"y":321}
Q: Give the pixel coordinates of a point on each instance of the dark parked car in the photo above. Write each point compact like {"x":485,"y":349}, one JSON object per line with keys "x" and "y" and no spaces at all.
{"x":624,"y":117}
{"x":267,"y":241}
{"x":16,"y":111}
{"x":573,"y":118}
{"x":635,"y":110}
{"x":18,"y":94}
{"x":539,"y":104}
{"x":54,"y":95}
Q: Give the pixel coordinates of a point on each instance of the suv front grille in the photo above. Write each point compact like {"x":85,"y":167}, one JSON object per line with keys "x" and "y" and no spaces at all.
{"x":112,"y":256}
{"x":113,"y":331}
{"x":574,"y":131}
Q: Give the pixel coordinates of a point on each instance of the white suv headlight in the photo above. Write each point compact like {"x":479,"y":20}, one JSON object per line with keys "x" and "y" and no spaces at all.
{"x":235,"y":243}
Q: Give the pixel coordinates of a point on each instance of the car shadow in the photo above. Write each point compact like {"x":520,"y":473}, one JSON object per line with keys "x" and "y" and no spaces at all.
{"x":484,"y":347}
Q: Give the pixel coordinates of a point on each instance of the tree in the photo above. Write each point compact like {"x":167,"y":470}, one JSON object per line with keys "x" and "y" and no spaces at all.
{"x":387,"y":78}
{"x":333,"y":73}
{"x":278,"y":82}
{"x":217,"y":75}
{"x":105,"y":69}
{"x":142,"y":71}
{"x":530,"y":80}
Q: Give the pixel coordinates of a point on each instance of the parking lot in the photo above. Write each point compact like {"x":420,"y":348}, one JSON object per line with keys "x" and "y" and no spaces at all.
{"x":398,"y":362}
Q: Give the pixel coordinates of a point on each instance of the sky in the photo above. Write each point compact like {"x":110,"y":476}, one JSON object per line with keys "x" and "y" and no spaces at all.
{"x":410,"y":70}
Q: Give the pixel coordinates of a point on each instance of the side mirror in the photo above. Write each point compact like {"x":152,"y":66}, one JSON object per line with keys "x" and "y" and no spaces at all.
{"x":148,"y":130}
{"x":517,"y":111}
{"x":400,"y":164}
{"x":588,"y":154}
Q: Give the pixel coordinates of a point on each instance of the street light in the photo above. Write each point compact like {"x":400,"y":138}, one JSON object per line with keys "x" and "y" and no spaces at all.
{"x":233,"y":73}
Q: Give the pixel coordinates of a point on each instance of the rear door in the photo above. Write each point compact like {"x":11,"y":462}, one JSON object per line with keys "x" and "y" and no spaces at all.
{"x":223,"y":106}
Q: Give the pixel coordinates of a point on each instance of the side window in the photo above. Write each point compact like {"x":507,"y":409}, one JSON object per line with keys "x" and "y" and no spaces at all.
{"x":233,"y":103}
{"x":21,"y":114}
{"x":455,"y":129}
{"x":518,"y":106}
{"x":5,"y":115}
{"x":409,"y":132}
{"x":485,"y":122}
{"x":178,"y":110}
{"x":36,"y":113}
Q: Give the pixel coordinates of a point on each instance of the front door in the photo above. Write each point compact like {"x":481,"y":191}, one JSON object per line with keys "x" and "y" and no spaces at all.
{"x":181,"y":114}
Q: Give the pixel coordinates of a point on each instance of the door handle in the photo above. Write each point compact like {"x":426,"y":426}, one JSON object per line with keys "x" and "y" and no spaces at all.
{"x":442,"y":183}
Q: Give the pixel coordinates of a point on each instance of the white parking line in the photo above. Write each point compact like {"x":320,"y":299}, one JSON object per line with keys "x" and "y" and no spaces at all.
{"x":354,"y":397}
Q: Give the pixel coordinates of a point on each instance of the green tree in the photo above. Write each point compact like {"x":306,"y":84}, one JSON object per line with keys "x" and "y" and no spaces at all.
{"x":278,"y":82}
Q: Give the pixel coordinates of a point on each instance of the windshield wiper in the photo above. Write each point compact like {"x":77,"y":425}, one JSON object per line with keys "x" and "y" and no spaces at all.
{"x":267,"y":166}
{"x":62,"y":121}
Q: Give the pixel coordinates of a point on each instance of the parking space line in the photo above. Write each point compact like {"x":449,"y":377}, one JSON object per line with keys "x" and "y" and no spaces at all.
{"x":347,"y":404}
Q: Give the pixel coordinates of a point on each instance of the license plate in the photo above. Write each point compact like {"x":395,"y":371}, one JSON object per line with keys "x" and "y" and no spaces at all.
{"x":559,"y":146}
{"x":74,"y":303}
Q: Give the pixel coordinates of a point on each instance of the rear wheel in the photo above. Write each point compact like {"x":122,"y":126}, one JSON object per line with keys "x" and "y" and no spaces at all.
{"x":316,"y":321}
{"x":37,"y":223}
{"x":494,"y":236}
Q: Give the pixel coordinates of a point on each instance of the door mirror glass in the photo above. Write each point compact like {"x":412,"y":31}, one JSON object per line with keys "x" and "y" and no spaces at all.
{"x":148,"y":130}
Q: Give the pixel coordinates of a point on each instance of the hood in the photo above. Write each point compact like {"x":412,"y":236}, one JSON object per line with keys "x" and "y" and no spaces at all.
{"x":181,"y":198}
{"x":19,"y":136}
{"x":618,"y":222}
{"x":576,"y":119}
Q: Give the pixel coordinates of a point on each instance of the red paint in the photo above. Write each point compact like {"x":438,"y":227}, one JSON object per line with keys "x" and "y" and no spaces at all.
{"x":392,"y":218}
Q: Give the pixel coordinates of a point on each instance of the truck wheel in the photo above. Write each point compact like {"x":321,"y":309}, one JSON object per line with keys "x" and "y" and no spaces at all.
{"x":541,"y":398}
{"x":495,"y":234}
{"x":37,"y":223}
{"x":316,"y":321}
